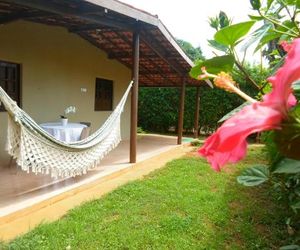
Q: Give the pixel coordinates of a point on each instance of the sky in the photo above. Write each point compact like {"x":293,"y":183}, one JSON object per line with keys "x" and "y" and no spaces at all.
{"x":188,"y":19}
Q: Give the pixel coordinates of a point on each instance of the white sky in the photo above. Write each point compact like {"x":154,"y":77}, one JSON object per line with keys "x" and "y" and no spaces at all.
{"x":188,"y":19}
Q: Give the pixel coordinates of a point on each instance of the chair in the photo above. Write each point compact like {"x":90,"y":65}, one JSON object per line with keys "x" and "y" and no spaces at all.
{"x":85,"y":131}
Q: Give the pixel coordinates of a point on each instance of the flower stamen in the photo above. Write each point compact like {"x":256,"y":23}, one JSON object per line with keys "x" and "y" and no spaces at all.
{"x":224,"y":81}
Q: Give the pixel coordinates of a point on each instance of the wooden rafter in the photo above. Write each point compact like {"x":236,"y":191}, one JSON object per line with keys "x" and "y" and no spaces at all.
{"x":108,"y":25}
{"x":21,"y":15}
{"x":48,"y":6}
{"x":154,"y":45}
{"x":141,"y":55}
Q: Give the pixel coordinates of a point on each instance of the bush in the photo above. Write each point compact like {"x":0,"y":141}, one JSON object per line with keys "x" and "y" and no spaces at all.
{"x":158,"y":107}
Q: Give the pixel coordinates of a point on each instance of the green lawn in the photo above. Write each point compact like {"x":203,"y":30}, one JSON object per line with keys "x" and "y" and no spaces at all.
{"x":186,"y":205}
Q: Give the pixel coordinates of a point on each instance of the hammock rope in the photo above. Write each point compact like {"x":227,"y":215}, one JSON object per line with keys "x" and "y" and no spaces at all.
{"x":36,"y":150}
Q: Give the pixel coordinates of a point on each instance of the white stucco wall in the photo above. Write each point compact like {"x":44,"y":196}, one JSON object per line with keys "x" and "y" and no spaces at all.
{"x":55,"y":65}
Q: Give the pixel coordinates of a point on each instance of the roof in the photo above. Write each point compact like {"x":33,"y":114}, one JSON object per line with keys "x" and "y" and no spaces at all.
{"x":109,"y":25}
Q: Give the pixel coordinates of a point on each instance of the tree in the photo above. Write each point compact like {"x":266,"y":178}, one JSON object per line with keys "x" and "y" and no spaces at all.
{"x":194,"y":54}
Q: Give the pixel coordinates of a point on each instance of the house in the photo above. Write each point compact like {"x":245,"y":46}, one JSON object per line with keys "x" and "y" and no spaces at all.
{"x":84,"y":53}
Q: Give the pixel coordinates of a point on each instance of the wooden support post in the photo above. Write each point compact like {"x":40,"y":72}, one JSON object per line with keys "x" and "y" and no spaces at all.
{"x":181,"y":113}
{"x":134,"y":96}
{"x":197,"y":107}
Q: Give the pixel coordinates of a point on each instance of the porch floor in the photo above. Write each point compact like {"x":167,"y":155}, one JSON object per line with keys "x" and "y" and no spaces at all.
{"x":19,"y":190}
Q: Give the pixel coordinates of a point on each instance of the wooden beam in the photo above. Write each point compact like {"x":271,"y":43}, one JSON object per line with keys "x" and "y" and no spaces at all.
{"x":90,"y":27}
{"x":181,"y":113}
{"x":134,"y":96}
{"x":157,"y":72}
{"x":111,"y":42}
{"x":104,"y":24}
{"x":158,"y":83}
{"x":93,"y":42}
{"x":21,"y":15}
{"x":86,"y":27}
{"x":142,"y":55}
{"x":62,"y":11}
{"x":141,"y":85}
{"x":197,"y":109}
{"x":127,"y":55}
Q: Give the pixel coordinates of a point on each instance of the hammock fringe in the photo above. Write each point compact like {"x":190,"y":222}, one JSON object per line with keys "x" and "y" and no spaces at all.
{"x":37,"y":151}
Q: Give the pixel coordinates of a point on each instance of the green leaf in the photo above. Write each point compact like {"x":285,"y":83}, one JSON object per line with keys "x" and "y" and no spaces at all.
{"x":233,"y":112}
{"x":255,"y":4}
{"x":254,"y":176}
{"x":224,"y":20}
{"x":287,"y":166}
{"x":296,"y":85}
{"x":296,"y":88}
{"x":289,"y":25}
{"x":231,"y":35}
{"x":269,"y":4}
{"x":213,"y":65}
{"x":257,"y":35}
{"x":218,"y":46}
{"x":255,"y":18}
{"x":214,"y":22}
{"x":294,"y":114}
{"x":267,"y":38}
{"x":293,"y":2}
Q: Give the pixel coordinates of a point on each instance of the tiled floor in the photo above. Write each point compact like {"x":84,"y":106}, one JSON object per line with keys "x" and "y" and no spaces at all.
{"x":19,"y":189}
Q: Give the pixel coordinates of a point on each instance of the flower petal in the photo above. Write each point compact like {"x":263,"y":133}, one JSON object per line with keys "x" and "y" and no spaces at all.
{"x":284,"y":78}
{"x":229,"y":143}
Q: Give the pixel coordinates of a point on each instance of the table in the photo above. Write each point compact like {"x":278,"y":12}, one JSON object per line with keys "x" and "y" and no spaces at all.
{"x":68,"y":133}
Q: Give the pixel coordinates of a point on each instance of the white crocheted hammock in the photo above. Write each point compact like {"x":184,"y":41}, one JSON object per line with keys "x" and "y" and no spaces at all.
{"x":37,"y":151}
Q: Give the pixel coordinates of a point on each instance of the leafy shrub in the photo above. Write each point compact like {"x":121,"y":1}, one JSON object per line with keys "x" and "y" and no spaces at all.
{"x":158,"y":107}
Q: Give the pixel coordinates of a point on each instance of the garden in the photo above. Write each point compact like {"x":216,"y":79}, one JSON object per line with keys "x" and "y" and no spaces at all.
{"x":185,"y":205}
{"x":249,"y":102}
{"x":240,"y":188}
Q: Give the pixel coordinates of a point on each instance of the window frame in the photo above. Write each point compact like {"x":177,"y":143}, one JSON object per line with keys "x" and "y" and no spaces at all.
{"x":97,"y":107}
{"x":17,"y":83}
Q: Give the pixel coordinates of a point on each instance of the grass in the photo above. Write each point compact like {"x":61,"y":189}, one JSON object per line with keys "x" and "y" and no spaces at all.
{"x":182,"y":206}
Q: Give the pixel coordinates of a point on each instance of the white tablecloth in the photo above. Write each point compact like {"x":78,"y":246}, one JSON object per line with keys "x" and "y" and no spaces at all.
{"x":68,"y":133}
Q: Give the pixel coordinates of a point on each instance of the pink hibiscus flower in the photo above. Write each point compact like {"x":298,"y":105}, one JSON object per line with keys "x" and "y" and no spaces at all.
{"x":228,"y":144}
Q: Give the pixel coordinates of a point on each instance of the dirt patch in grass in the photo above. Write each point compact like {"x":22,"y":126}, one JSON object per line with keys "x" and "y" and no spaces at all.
{"x":236,"y":205}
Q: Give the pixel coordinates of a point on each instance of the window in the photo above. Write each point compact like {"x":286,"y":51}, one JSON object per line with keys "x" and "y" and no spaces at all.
{"x":10,"y":80}
{"x":103,"y":95}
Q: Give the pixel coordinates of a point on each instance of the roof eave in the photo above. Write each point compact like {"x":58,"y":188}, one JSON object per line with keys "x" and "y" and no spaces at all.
{"x":145,"y":17}
{"x":126,"y":10}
